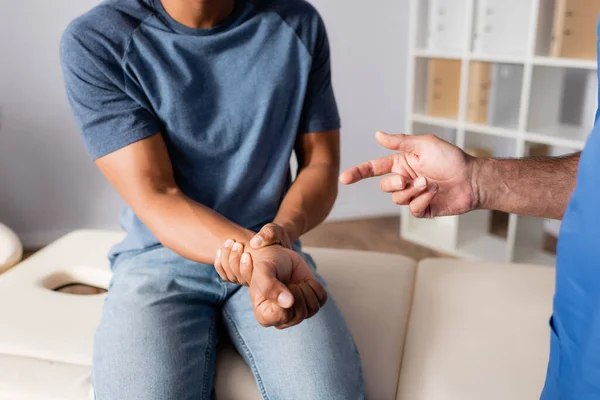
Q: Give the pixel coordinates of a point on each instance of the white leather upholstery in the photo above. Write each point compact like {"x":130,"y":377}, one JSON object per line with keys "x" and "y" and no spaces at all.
{"x":42,"y":324}
{"x":23,"y":378}
{"x":477,"y":331}
{"x":46,"y":337}
{"x":11,"y":249}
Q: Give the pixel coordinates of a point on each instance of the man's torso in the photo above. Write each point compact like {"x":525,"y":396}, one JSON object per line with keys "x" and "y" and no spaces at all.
{"x":228,"y":100}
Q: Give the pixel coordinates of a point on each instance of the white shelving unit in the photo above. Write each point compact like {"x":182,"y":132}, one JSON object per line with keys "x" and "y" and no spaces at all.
{"x":534,"y":103}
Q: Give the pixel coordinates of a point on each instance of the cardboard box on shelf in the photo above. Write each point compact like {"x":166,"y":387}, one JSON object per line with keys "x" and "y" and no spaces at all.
{"x":574,"y":32}
{"x":443,"y":88}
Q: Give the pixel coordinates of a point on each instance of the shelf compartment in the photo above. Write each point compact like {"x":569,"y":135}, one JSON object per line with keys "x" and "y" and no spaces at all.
{"x":438,"y":233}
{"x":483,"y":234}
{"x":489,"y":145}
{"x":420,"y":86}
{"x":443,"y":88}
{"x":444,"y":132}
{"x":494,"y":95}
{"x":567,"y":29}
{"x":573,"y":32}
{"x":563,"y":103}
{"x":442,"y":25}
{"x":477,"y":238}
{"x":493,"y":35}
{"x":545,"y":27}
{"x":533,"y":245}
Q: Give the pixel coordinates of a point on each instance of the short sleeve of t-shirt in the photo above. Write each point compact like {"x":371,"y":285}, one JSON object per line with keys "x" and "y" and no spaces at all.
{"x":320,"y":112}
{"x":107,"y":117}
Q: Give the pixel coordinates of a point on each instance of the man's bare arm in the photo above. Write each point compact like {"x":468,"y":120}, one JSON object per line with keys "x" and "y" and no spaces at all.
{"x":538,"y":186}
{"x":311,"y":197}
{"x":142,"y":174}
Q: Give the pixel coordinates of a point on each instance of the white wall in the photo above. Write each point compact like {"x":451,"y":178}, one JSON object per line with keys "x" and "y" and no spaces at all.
{"x":47,"y":184}
{"x":369,"y":47}
{"x":49,"y":187}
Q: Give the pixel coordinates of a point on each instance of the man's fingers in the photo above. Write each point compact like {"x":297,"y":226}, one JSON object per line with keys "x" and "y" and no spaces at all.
{"x":310,"y":297}
{"x":246,"y":268}
{"x":419,"y":207}
{"x":269,"y":314}
{"x":393,"y":183}
{"x":219,"y":267}
{"x":300,"y":311}
{"x":234,"y":260}
{"x":269,"y":234}
{"x":367,"y":169}
{"x":267,"y":285}
{"x":319,"y":291}
{"x":225,"y":252}
{"x":412,"y":190}
{"x":401,"y":142}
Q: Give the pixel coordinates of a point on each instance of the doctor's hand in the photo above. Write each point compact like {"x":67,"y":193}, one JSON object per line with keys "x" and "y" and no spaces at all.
{"x":431,"y":176}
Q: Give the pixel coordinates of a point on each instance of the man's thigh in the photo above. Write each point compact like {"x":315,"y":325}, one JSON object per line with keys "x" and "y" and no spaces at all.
{"x":316,"y":359}
{"x":157,"y":335}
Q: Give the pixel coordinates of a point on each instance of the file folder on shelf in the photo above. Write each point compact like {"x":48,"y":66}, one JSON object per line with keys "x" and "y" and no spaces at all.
{"x":443,"y":88}
{"x":574,"y":33}
{"x":479,"y":86}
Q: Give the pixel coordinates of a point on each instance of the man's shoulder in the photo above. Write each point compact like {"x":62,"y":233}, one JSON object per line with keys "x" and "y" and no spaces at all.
{"x":107,"y":27}
{"x":300,"y":15}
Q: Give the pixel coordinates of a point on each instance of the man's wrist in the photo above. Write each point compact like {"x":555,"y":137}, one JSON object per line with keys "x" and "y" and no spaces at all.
{"x":483,"y":182}
{"x":292,"y":229}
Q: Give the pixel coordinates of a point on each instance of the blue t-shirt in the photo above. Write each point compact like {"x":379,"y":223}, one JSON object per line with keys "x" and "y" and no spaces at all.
{"x":574,"y":368}
{"x":229,"y":101}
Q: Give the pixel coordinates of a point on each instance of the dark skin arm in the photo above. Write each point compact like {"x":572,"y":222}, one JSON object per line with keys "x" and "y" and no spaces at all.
{"x":306,"y":204}
{"x":435,"y":178}
{"x":143,"y":175}
{"x":311,"y":197}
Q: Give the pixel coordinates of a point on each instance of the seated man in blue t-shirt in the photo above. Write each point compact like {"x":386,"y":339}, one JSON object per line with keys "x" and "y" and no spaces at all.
{"x":192,"y":109}
{"x":435,"y":178}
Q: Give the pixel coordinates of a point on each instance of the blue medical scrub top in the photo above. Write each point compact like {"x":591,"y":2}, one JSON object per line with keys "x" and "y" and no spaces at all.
{"x":574,"y":367}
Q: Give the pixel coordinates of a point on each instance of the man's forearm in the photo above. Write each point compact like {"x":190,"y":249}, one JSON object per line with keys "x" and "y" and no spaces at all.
{"x":309,"y":200}
{"x":538,"y":186}
{"x":190,"y":229}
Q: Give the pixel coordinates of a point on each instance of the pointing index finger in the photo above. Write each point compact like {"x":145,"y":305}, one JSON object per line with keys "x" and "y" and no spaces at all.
{"x":369,"y":169}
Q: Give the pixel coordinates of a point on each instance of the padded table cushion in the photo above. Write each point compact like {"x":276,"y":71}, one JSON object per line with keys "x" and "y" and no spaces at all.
{"x":477,"y":331}
{"x":46,"y":337}
{"x":11,"y":249}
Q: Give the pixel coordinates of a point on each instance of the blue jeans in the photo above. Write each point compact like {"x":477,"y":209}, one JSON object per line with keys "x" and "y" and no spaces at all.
{"x":162,"y":320}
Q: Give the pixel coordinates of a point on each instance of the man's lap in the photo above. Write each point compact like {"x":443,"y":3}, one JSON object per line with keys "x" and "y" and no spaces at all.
{"x":159,"y":331}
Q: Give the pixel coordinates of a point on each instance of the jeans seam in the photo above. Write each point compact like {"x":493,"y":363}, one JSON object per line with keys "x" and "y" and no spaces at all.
{"x":207,"y":360}
{"x":248,"y":354}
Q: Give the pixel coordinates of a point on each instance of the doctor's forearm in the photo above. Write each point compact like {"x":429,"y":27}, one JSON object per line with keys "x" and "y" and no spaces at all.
{"x":537,"y":186}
